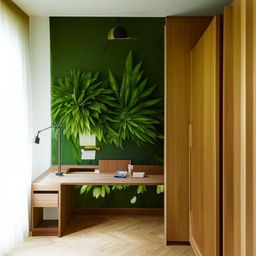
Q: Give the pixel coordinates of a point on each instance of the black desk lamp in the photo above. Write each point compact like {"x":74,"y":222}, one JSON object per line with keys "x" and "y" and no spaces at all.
{"x":36,"y":140}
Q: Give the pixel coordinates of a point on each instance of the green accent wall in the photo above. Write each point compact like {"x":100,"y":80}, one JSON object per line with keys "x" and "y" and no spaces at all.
{"x":81,"y":42}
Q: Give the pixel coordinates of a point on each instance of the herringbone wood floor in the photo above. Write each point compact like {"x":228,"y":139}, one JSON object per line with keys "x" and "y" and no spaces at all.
{"x":109,"y":235}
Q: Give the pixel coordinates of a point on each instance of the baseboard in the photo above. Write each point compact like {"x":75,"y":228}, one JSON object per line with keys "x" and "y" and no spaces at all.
{"x":130,"y":211}
{"x":177,"y":243}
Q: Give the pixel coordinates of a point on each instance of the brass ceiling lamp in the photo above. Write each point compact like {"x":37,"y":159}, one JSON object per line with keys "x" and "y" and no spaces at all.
{"x":118,"y":32}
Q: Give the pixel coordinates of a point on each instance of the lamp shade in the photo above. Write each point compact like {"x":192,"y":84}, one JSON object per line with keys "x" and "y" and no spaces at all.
{"x":117,"y":32}
{"x":36,"y":139}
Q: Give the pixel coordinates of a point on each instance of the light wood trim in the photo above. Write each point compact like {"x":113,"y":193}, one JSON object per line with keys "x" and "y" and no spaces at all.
{"x":228,"y":135}
{"x":122,"y":211}
{"x":53,"y":182}
{"x":234,"y":131}
{"x":182,"y":33}
{"x":45,"y":200}
{"x":205,"y":160}
{"x":250,"y":127}
{"x":45,"y":186}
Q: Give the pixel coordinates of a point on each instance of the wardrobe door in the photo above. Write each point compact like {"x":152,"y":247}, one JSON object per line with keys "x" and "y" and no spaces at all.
{"x":181,"y":35}
{"x":204,"y":158}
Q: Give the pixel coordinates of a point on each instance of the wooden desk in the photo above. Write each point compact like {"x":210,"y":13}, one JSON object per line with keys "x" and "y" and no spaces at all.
{"x":49,"y":190}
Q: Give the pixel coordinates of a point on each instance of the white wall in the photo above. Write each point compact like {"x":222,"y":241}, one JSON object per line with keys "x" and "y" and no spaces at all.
{"x":39,"y":38}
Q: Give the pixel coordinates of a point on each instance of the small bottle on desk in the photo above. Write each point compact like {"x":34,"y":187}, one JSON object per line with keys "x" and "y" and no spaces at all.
{"x":130,"y":170}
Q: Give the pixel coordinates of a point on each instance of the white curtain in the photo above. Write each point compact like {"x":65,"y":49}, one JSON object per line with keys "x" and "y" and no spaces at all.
{"x":15,"y":142}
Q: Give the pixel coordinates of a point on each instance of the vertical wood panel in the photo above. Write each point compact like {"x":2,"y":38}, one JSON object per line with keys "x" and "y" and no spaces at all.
{"x":228,"y":135}
{"x":250,"y":127}
{"x":205,"y":161}
{"x":65,"y":207}
{"x":234,"y":140}
{"x":182,"y":33}
{"x":110,"y":166}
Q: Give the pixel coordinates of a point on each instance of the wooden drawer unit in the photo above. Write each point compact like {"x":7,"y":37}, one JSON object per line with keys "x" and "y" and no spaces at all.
{"x":43,"y":199}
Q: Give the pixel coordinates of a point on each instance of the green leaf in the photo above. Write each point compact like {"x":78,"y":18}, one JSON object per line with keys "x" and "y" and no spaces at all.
{"x":128,"y":63}
{"x":96,"y":192}
{"x":159,"y":189}
{"x":141,"y":189}
{"x":135,"y":73}
{"x":142,"y":85}
{"x":88,"y":188}
{"x":145,"y":104}
{"x":82,"y":190}
{"x":102,"y":193}
{"x":113,"y":83}
{"x":133,"y":200}
{"x":124,"y":87}
{"x":107,"y":189}
{"x":148,"y":91}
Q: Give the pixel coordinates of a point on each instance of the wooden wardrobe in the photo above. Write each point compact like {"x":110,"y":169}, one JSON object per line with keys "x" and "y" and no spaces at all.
{"x":193,"y":51}
{"x":239,"y":129}
{"x":210,"y":131}
{"x":181,"y":34}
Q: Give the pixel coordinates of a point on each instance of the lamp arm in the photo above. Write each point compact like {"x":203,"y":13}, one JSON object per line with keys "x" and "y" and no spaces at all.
{"x":59,"y":172}
{"x":53,"y":126}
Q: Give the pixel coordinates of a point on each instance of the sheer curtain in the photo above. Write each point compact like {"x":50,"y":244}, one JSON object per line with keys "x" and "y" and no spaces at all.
{"x":15,"y":142}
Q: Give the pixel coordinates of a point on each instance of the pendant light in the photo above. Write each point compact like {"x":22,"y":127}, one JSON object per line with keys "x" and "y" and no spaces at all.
{"x":118,"y":32}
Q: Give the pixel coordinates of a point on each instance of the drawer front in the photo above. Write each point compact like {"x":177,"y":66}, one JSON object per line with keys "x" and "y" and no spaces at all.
{"x":45,"y":200}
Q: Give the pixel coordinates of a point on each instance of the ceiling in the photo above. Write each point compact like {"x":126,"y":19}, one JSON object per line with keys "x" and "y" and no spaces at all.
{"x":128,"y":8}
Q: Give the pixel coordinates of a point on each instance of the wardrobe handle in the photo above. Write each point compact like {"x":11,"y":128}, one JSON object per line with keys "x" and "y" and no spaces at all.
{"x":189,"y":157}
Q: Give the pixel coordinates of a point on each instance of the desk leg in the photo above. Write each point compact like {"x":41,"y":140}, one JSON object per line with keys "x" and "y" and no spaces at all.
{"x":65,"y":207}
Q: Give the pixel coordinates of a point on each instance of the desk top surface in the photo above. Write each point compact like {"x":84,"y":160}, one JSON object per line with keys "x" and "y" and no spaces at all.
{"x":48,"y":180}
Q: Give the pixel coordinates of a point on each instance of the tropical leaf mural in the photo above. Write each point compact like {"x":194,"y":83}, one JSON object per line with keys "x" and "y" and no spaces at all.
{"x":78,"y":103}
{"x":114,"y":113}
{"x":137,"y":116}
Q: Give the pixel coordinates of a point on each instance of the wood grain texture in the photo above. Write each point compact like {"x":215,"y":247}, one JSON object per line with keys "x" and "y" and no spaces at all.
{"x":53,"y":182}
{"x":105,"y":235}
{"x":123,"y":211}
{"x":239,"y":128}
{"x":250,"y":127}
{"x":39,"y":226}
{"x":65,"y":208}
{"x":234,"y":134}
{"x":110,"y":166}
{"x":181,"y":35}
{"x":149,"y":169}
{"x":205,"y":162}
{"x":228,"y":136}
{"x":45,"y":200}
{"x":49,"y":182}
{"x":37,"y":217}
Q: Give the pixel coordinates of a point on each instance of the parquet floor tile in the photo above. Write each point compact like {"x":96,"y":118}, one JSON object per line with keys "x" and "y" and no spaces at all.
{"x":109,"y":235}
